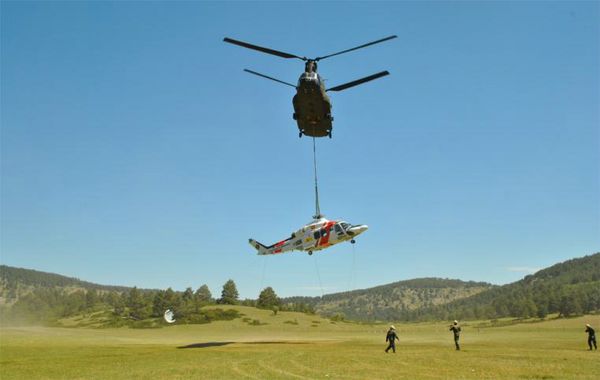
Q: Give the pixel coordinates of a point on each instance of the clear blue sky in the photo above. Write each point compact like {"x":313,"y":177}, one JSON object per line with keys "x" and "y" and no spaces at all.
{"x":135,"y":150}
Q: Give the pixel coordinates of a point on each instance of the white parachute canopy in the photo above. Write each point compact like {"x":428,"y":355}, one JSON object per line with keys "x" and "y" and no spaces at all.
{"x":169,"y":316}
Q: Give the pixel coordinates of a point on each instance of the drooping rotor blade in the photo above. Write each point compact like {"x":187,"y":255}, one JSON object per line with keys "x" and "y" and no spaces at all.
{"x":356,"y":48}
{"x":263,"y":49}
{"x":344,"y":86}
{"x":268,"y":77}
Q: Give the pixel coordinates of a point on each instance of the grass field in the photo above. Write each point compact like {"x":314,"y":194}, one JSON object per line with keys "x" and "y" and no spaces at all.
{"x":299,"y":346}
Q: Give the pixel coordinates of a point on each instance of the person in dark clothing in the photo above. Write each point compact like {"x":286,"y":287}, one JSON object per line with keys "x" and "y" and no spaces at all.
{"x":391,"y":338}
{"x":591,"y":337}
{"x":455,"y":328}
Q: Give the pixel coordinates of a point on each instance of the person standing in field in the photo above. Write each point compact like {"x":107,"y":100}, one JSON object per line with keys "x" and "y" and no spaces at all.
{"x":591,"y":337}
{"x":455,"y":328}
{"x":391,"y":338}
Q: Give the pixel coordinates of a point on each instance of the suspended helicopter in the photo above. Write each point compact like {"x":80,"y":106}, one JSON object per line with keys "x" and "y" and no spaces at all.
{"x":319,"y":234}
{"x":312,"y":106}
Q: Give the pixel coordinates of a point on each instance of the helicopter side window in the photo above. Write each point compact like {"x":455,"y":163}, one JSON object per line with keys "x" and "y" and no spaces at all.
{"x":345,"y":226}
{"x":317,"y":235}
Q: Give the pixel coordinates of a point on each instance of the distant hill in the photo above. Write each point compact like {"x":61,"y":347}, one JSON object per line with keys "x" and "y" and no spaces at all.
{"x":568,"y":288}
{"x":388,"y":302}
{"x":15,"y":282}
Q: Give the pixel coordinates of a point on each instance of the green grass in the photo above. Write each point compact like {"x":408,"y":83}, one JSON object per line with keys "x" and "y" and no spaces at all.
{"x":277,"y":349}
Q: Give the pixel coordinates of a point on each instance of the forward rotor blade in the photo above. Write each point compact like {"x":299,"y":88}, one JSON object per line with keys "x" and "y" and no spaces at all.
{"x":262,"y":49}
{"x":356,"y":48}
{"x":344,"y":86}
{"x":268,"y":77}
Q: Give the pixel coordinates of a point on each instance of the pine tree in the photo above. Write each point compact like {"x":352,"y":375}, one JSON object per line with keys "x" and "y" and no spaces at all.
{"x":268,"y":299}
{"x":117,"y":301}
{"x":542,"y":311}
{"x":159,"y":305}
{"x":188,"y":294}
{"x":172,"y":299}
{"x":91,"y":299}
{"x":569,"y":306}
{"x":229,"y":295}
{"x":138,"y":306}
{"x":203,"y":295}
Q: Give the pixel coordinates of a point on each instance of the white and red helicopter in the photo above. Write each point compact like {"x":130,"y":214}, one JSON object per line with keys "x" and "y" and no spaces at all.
{"x":319,"y":234}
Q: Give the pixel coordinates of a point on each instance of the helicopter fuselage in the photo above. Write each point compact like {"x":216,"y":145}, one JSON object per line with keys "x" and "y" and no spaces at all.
{"x":312,"y":106}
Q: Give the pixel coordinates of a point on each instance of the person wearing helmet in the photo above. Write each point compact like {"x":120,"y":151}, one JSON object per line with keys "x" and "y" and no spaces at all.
{"x":455,"y":328}
{"x":391,"y":338}
{"x":591,"y":336}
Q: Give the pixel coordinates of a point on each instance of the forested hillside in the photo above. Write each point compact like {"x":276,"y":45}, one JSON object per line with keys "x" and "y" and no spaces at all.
{"x":393,"y":301}
{"x":16,"y":282}
{"x":568,"y":288}
{"x":34,"y":297}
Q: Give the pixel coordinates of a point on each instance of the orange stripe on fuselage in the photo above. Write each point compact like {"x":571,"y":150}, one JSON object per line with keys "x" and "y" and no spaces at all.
{"x":277,"y":245}
{"x":280,"y":243}
{"x":324,"y":241}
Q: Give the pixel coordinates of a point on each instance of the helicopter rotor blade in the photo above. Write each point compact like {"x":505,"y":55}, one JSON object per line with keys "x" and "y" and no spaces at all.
{"x":356,"y":48}
{"x":345,"y":86}
{"x":268,"y":77}
{"x":262,"y":49}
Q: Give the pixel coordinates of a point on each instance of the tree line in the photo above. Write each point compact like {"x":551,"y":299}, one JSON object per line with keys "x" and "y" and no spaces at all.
{"x":45,"y":305}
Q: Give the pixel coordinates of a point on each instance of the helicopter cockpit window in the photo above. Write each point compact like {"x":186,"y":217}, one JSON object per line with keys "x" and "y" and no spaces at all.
{"x":345,"y":226}
{"x":338,"y":229}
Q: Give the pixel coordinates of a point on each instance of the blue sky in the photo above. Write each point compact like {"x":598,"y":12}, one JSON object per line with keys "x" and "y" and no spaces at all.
{"x":135,"y":150}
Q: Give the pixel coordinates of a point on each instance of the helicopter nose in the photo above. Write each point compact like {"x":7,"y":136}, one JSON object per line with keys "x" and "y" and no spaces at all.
{"x":357,"y":230}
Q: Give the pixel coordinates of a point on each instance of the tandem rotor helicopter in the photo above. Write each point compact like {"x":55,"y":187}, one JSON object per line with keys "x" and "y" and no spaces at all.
{"x":312,"y":106}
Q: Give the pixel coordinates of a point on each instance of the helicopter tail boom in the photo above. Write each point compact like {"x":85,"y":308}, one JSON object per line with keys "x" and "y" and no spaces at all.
{"x":260,"y":248}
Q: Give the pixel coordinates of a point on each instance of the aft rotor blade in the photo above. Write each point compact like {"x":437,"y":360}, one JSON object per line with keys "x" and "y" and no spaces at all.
{"x":359,"y":81}
{"x":268,"y":77}
{"x":262,"y":49}
{"x":358,"y":47}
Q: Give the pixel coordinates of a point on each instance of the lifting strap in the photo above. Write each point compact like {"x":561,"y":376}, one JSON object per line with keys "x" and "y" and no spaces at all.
{"x":317,"y":208}
{"x":319,"y":276}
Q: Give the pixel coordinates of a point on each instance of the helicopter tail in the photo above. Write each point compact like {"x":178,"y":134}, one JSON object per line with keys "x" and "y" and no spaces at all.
{"x":262,"y":250}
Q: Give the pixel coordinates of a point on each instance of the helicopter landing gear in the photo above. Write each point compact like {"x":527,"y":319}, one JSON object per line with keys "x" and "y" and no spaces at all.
{"x":310,"y":253}
{"x":352,"y":241}
{"x":329,"y":134}
{"x":300,"y":135}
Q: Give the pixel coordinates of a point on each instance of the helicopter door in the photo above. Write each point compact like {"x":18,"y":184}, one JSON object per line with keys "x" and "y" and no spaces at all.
{"x":325,"y":233}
